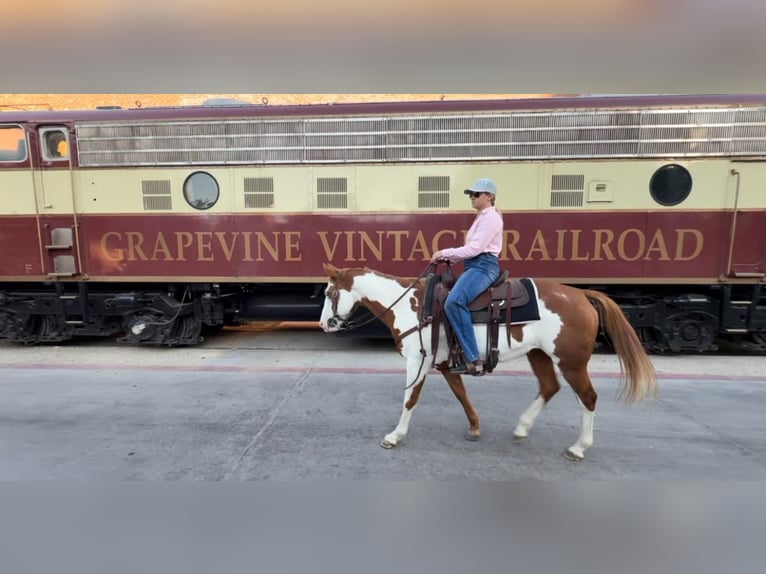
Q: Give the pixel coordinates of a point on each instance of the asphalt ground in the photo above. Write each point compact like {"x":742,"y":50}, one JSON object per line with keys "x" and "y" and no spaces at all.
{"x":287,"y":402}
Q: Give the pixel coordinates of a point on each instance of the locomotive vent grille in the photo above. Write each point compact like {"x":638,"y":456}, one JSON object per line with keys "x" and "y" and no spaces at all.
{"x":567,"y":190}
{"x":506,"y":135}
{"x":259,"y":192}
{"x":332,"y":193}
{"x":156,"y":194}
{"x":433,"y":192}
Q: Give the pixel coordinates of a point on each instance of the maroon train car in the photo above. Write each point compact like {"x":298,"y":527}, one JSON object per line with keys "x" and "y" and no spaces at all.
{"x":162,"y":223}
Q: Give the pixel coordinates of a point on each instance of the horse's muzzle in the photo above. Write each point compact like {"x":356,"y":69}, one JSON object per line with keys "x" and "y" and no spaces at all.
{"x":333,"y":324}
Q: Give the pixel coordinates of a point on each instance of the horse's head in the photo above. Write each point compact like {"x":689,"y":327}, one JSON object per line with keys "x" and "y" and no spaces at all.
{"x":340,"y":300}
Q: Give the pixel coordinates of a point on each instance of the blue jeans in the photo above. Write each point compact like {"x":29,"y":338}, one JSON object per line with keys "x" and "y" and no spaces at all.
{"x":480,"y":272}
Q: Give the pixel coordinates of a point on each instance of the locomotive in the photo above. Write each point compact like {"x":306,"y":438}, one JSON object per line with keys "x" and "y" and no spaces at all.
{"x":159,"y":224}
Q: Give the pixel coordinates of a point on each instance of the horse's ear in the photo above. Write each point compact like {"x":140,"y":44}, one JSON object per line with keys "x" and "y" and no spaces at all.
{"x":330,"y":269}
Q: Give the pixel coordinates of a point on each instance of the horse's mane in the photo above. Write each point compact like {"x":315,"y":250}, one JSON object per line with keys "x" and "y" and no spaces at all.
{"x":405,"y":282}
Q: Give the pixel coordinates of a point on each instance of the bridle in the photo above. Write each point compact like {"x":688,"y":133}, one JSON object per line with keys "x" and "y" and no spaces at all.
{"x":343,"y":324}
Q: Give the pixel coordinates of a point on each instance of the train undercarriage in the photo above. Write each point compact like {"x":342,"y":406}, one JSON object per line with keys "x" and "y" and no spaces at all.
{"x":695,"y":318}
{"x":170,"y":315}
{"x":670,"y":319}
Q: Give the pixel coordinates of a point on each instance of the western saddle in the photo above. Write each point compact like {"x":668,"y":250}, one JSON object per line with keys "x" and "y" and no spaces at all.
{"x":492,"y":307}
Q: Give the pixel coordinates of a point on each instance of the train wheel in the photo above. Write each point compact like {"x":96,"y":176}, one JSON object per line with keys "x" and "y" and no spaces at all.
{"x":758,"y":340}
{"x":51,"y":329}
{"x":652,"y":339}
{"x":186,"y":331}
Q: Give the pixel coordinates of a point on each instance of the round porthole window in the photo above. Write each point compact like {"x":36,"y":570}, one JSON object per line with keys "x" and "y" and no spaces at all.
{"x":670,"y":184}
{"x":201,"y":190}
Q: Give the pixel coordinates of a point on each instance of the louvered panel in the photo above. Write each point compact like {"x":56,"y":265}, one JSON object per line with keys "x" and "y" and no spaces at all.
{"x":156,"y":195}
{"x":332,"y":193}
{"x":567,"y":199}
{"x":337,"y":126}
{"x":567,"y":182}
{"x":439,"y":137}
{"x":259,"y":192}
{"x":749,"y":133}
{"x":433,"y":200}
{"x":567,"y":190}
{"x":749,"y":146}
{"x":433,"y":191}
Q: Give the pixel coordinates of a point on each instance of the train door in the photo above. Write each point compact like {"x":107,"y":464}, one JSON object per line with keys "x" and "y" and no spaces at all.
{"x":56,"y":209}
{"x":747,"y":254}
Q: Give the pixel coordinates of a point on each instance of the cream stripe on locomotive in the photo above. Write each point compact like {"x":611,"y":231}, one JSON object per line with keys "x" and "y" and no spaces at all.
{"x":590,"y":186}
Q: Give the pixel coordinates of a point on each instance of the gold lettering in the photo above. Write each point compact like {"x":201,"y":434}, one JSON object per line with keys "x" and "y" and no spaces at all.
{"x":658,"y":244}
{"x":512,"y":237}
{"x":204,"y":245}
{"x":437,"y":239}
{"x":680,"y":240}
{"x":263,"y":242}
{"x":603,"y":240}
{"x":561,"y":235}
{"x":539,"y":246}
{"x":349,"y":246}
{"x":135,"y":241}
{"x":377,"y":250}
{"x":292,"y":245}
{"x":420,"y":246}
{"x":112,"y":254}
{"x":161,"y":247}
{"x":397,"y":235}
{"x":228,"y":248}
{"x":184,"y":239}
{"x":329,"y":251}
{"x":576,"y":247}
{"x":624,"y":237}
{"x":246,"y":239}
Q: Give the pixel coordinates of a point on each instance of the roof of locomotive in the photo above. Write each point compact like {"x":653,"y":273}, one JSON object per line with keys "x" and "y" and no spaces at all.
{"x":245,"y":110}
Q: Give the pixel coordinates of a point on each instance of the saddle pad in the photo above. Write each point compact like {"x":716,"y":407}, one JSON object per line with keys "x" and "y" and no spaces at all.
{"x":524,"y":314}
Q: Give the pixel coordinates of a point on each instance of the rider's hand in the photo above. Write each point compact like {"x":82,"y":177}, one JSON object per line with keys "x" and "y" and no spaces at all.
{"x":436,"y":256}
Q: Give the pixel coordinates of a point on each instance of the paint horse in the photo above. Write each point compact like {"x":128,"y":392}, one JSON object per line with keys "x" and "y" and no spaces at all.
{"x":559,"y":344}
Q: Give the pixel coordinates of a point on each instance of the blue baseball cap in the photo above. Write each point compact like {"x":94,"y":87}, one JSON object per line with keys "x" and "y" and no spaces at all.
{"x":484,"y":185}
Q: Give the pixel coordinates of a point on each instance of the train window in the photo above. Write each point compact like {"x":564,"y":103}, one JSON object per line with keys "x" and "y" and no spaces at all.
{"x":13,"y":144}
{"x":201,"y":190}
{"x":54,"y":144}
{"x":670,"y":184}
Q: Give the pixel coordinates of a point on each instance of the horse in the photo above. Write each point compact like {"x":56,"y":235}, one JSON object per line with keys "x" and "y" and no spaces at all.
{"x":559,"y":344}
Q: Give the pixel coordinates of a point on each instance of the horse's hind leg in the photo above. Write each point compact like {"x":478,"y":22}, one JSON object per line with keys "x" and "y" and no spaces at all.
{"x":581,"y":384}
{"x":455,"y":383}
{"x":542,"y":367}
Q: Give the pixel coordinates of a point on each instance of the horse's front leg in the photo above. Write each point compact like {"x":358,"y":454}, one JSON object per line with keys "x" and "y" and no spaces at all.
{"x":416,"y":377}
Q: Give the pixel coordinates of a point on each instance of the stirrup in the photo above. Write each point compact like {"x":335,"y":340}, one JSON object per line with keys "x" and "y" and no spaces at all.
{"x":476,"y":368}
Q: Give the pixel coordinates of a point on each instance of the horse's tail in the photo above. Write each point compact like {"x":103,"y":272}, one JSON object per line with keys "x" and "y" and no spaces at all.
{"x":640,"y":378}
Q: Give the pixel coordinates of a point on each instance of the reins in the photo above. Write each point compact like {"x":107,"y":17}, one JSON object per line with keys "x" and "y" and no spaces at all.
{"x":351,"y":325}
{"x":348,"y":326}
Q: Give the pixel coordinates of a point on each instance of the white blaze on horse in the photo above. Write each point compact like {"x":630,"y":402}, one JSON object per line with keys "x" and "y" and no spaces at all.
{"x":559,"y":344}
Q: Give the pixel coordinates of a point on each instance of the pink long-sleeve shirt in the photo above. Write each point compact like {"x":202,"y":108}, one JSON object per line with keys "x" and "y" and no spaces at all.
{"x":484,"y":236}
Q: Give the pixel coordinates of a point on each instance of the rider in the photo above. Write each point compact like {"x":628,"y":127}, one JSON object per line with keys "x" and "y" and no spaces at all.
{"x":483,"y":244}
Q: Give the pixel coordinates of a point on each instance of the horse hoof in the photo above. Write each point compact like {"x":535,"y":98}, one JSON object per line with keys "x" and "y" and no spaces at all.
{"x":568,"y":454}
{"x":386,"y":444}
{"x":471,"y":437}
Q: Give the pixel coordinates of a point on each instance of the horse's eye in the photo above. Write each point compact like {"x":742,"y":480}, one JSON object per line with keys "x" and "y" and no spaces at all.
{"x":334,"y":294}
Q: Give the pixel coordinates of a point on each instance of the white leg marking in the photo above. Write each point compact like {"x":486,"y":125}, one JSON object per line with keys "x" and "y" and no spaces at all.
{"x":416,"y":370}
{"x":527,"y":419}
{"x":577,"y":450}
{"x":396,"y":435}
